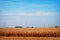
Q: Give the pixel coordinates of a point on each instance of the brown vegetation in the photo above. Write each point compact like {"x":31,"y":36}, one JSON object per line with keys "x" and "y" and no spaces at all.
{"x":29,"y":38}
{"x":30,"y":32}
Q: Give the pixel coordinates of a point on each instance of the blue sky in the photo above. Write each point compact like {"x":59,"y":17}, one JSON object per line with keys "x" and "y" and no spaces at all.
{"x":35,"y":13}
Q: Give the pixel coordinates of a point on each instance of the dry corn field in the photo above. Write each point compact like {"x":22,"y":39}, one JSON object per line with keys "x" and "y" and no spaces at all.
{"x":29,"y":33}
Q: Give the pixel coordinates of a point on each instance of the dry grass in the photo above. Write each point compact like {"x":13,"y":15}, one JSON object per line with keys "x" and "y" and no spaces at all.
{"x":29,"y":38}
{"x":30,"y":32}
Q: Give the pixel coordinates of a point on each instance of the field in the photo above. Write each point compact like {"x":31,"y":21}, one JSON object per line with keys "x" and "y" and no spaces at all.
{"x":30,"y":38}
{"x":29,"y":33}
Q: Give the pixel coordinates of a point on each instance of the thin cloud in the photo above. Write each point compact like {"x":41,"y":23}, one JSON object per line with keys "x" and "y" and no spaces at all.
{"x":42,"y":5}
{"x":9,"y":3}
{"x":39,"y":13}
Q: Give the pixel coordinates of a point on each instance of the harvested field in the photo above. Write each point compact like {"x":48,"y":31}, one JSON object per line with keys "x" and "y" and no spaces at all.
{"x":30,"y":32}
{"x":29,"y":38}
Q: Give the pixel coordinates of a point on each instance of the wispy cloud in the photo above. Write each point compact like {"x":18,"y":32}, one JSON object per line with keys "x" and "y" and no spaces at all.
{"x":6,"y":3}
{"x":43,"y":5}
{"x":38,"y":13}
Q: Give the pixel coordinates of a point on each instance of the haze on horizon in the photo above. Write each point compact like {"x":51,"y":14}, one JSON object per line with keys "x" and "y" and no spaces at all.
{"x":37,"y":13}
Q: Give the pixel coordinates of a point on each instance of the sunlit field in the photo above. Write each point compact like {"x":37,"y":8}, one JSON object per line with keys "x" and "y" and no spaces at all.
{"x":30,"y":38}
{"x":29,"y":33}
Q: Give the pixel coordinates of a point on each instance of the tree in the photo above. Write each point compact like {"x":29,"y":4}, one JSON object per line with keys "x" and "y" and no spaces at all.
{"x":56,"y":26}
{"x":32,"y":27}
{"x":19,"y":27}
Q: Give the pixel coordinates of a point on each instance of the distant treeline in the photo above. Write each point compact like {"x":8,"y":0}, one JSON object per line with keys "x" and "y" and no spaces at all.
{"x":33,"y":27}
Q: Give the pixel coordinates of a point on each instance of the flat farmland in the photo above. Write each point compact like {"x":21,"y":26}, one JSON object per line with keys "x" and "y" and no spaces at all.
{"x":29,"y":33}
{"x":29,"y":38}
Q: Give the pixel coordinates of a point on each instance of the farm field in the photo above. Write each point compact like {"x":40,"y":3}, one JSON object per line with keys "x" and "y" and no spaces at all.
{"x":29,"y":33}
{"x":29,"y":38}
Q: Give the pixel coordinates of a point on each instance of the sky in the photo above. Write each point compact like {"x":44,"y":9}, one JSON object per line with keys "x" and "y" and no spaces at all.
{"x":28,"y":13}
